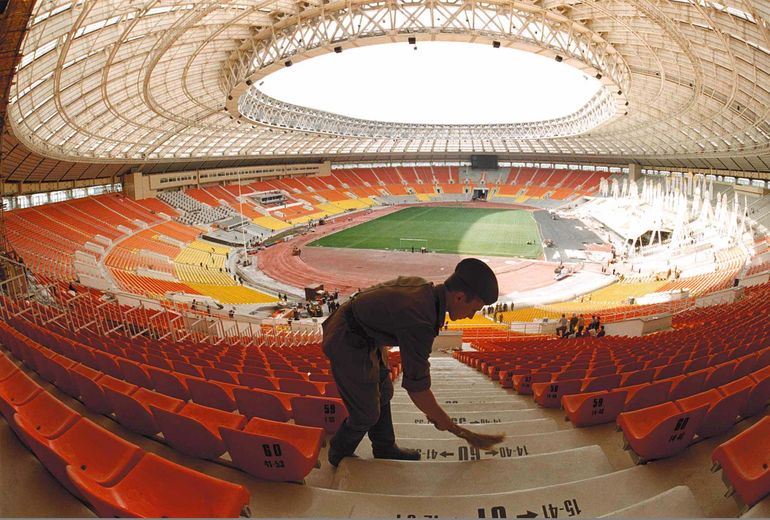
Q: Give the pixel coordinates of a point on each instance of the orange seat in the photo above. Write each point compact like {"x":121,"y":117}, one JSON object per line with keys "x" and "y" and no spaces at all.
{"x":194,"y":429}
{"x":636,"y":377}
{"x":688,"y":384}
{"x":169,"y":383}
{"x":7,"y":367}
{"x":744,"y":366}
{"x":44,"y":414}
{"x":760,"y":394}
{"x":720,"y":375}
{"x":61,"y":368}
{"x":723,"y":409}
{"x":133,"y":411}
{"x":671,"y":370}
{"x":660,"y":431}
{"x":212,"y":393}
{"x":592,"y":408}
{"x":217,"y":374}
{"x":331,"y":390}
{"x":257,"y":381}
{"x":745,"y":462}
{"x":605,"y":382}
{"x":156,"y":487}
{"x":16,"y":391}
{"x":299,"y":387}
{"x":186,"y":368}
{"x":101,"y":455}
{"x":267,"y":404}
{"x":323,"y":378}
{"x":522,"y":383}
{"x":549,"y":394}
{"x":107,"y":364}
{"x":135,"y":373}
{"x":602,"y":371}
{"x":321,"y":412}
{"x":274,"y":450}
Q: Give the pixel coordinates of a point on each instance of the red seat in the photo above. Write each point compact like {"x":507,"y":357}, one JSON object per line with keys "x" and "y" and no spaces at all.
{"x":156,"y":488}
{"x":720,"y":375}
{"x":7,"y":367}
{"x":522,"y":383}
{"x":696,"y":364}
{"x":321,"y":412}
{"x":331,"y":390}
{"x":637,"y":377}
{"x":169,"y":383}
{"x":287,"y":374}
{"x":16,"y":391}
{"x":212,"y":393}
{"x":744,"y":366}
{"x":217,"y":374}
{"x":323,"y":378}
{"x":92,"y":393}
{"x":257,"y":381}
{"x":267,"y":404}
{"x":45,"y":414}
{"x":570,"y":374}
{"x":158,"y":361}
{"x":133,"y":411}
{"x":688,"y":384}
{"x":187,"y":368}
{"x":605,"y":382}
{"x":660,"y":431}
{"x":671,"y":370}
{"x":101,"y":455}
{"x":549,"y":394}
{"x":107,"y":364}
{"x":594,"y":407}
{"x":194,"y":429}
{"x":745,"y":462}
{"x":723,"y":409}
{"x":135,"y":373}
{"x":274,"y":450}
{"x":299,"y":387}
{"x":599,"y":371}
{"x":760,"y":394}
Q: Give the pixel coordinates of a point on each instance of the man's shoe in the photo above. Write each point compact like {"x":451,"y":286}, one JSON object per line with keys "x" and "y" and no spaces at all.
{"x":335,"y":457}
{"x":396,"y":453}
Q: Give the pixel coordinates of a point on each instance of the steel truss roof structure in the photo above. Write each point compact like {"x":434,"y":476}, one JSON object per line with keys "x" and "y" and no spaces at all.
{"x":684,"y":82}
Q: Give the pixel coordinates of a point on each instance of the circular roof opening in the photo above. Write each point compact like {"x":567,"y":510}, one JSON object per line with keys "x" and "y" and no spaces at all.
{"x":436,"y":83}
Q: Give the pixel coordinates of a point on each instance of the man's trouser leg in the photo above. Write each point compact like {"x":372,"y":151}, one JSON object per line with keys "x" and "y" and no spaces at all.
{"x":361,"y":396}
{"x":381,"y":434}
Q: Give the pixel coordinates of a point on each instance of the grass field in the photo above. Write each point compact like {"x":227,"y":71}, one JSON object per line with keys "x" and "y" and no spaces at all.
{"x":470,"y":231}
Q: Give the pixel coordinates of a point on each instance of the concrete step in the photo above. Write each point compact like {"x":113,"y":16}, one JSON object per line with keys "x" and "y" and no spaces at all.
{"x":480,"y":417}
{"x":590,"y":497}
{"x":677,"y":502}
{"x":506,"y":405}
{"x":428,"y":431}
{"x":515,"y":445}
{"x":394,"y":477}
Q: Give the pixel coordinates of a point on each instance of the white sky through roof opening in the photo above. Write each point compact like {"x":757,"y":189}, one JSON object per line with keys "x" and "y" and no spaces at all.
{"x":439,"y":83}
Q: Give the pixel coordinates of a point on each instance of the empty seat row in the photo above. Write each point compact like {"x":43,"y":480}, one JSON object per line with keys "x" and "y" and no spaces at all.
{"x":191,"y":428}
{"x":665,"y":429}
{"x":116,"y":477}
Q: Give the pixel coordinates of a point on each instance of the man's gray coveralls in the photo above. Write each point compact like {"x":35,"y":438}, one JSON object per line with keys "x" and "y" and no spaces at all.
{"x":408,"y":312}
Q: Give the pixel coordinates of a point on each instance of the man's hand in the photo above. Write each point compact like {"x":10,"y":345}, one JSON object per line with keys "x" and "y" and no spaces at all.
{"x":482,"y":441}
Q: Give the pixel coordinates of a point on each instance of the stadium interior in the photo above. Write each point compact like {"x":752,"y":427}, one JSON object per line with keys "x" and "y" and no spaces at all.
{"x":172,"y":239}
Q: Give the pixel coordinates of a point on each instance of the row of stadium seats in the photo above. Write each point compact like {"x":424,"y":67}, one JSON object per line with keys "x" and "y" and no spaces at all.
{"x":116,"y":477}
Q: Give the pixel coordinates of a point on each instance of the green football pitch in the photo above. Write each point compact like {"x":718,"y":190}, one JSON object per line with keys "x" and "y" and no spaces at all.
{"x":470,"y":231}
